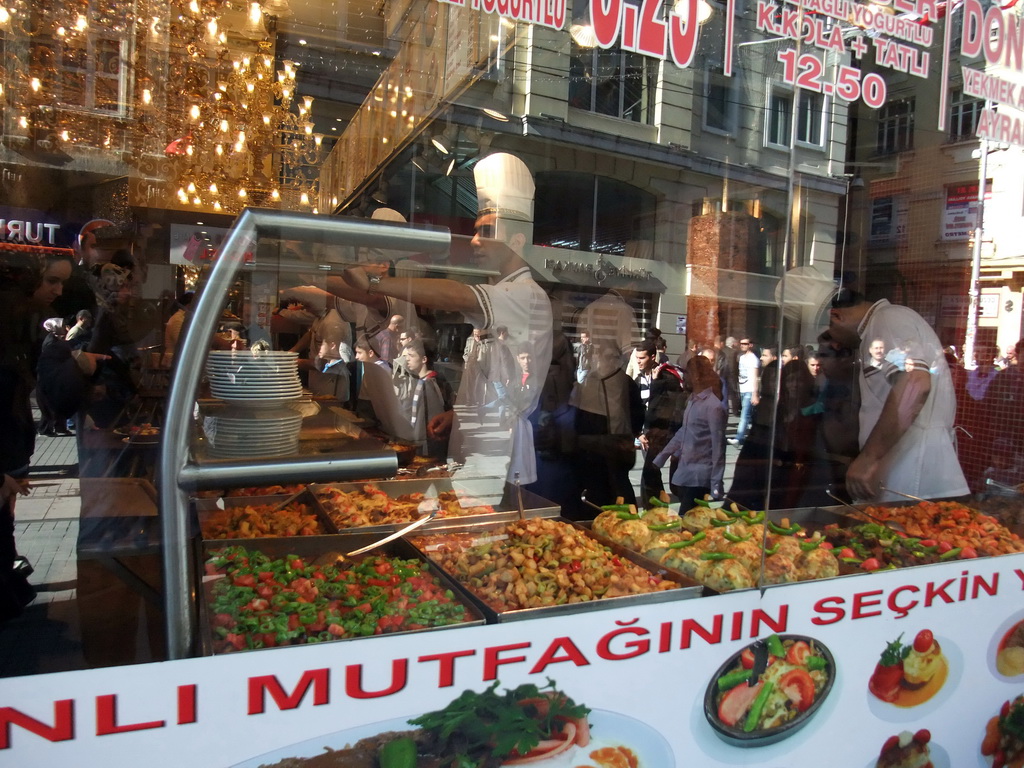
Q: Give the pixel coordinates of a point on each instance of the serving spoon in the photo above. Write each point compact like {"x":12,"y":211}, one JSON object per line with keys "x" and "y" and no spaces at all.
{"x":397,"y":534}
{"x":888,"y":524}
{"x":430,"y":498}
{"x":901,"y":493}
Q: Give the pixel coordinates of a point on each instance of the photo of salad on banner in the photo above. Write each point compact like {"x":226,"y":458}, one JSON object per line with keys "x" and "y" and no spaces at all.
{"x":526,"y":725}
{"x":769,"y":690}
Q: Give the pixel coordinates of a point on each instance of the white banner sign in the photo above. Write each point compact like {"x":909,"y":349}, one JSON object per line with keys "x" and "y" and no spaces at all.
{"x":643,"y":672}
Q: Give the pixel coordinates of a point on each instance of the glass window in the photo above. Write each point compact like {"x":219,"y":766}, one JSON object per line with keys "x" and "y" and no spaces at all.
{"x":810,"y":124}
{"x":590,"y":213}
{"x":84,"y":69}
{"x":896,"y":127}
{"x":612,"y":82}
{"x":721,"y":101}
{"x":964,"y":112}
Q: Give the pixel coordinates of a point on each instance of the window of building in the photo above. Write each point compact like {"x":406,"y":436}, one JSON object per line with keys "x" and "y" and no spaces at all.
{"x":721,"y":101}
{"x":84,"y":70}
{"x":612,"y":82}
{"x":810,"y":127}
{"x":584,"y":212}
{"x":964,"y":113}
{"x":896,"y":127}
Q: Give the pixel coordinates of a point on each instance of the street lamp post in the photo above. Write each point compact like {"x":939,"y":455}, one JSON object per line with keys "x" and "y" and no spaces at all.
{"x":974,"y":292}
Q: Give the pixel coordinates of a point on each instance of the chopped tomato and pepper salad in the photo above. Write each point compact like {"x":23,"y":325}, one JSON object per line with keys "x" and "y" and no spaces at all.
{"x":263,"y":602}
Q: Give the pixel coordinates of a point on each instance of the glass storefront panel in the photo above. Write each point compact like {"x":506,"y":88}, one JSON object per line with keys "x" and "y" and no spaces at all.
{"x":696,"y":175}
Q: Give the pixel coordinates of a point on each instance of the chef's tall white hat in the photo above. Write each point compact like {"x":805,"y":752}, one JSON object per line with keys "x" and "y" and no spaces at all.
{"x":504,"y":186}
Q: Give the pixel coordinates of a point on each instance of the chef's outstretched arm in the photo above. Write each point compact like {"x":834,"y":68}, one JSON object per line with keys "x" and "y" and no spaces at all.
{"x":902,"y":406}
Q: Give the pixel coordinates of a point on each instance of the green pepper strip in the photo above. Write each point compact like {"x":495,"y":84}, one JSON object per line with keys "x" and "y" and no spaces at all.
{"x":734,"y":678}
{"x":757,"y":709}
{"x":771,"y":550}
{"x":688,"y":542}
{"x":627,"y":515}
{"x":666,"y":526}
{"x":775,"y":646}
{"x":616,"y":507}
{"x":795,"y":528}
{"x":754,"y":519}
{"x":723,"y":523}
{"x":717,"y":556}
{"x":950,"y":554}
{"x":736,"y":539}
{"x":816,"y":662}
{"x":654,"y":501}
{"x":810,"y":545}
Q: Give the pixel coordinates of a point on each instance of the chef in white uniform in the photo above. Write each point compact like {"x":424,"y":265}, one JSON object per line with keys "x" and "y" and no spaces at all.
{"x":906,"y":420}
{"x":504,"y":230}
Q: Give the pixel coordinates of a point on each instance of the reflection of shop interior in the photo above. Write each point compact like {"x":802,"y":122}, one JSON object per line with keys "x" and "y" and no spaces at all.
{"x":914,"y":185}
{"x":626,"y":188}
{"x":655,"y":235}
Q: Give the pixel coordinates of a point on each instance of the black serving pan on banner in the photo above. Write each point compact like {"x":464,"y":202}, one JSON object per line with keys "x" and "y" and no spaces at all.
{"x":687,"y":589}
{"x":324,"y":550}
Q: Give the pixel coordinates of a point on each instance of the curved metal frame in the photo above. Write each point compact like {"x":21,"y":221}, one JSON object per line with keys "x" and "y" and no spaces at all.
{"x":178,"y":475}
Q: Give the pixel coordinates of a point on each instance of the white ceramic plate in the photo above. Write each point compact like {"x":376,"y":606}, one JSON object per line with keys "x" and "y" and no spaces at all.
{"x":237,"y":431}
{"x":233,"y":454}
{"x":606,"y":729}
{"x":256,"y":392}
{"x":266,"y":402}
{"x":242,"y":379}
{"x":248,"y":445}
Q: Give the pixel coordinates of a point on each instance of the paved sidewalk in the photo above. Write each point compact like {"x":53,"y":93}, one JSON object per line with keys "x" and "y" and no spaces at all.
{"x":46,"y":638}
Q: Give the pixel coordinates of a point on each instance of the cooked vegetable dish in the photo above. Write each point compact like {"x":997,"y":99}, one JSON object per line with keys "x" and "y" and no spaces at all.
{"x":369,"y":505}
{"x":794,"y":676}
{"x":255,"y":521}
{"x":973,"y":533}
{"x":263,"y":601}
{"x":537,"y":562}
{"x":721,"y":548}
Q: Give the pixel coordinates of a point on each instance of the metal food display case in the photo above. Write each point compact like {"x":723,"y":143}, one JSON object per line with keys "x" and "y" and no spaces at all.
{"x":184,"y":472}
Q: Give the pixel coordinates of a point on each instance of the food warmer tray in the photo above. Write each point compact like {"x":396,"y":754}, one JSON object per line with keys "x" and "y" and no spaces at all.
{"x":325,"y":549}
{"x":533,"y":505}
{"x":688,"y":588}
{"x":205,"y":507}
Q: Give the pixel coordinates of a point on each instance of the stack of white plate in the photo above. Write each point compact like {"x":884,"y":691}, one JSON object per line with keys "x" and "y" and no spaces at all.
{"x":242,"y":433}
{"x":258,"y":379}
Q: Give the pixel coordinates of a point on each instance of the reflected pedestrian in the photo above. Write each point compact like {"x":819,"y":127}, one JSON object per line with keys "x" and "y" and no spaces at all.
{"x":699,"y":443}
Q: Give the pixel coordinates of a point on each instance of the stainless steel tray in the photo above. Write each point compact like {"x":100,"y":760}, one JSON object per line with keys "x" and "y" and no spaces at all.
{"x":324,"y":550}
{"x":534,"y":506}
{"x":204,"y":508}
{"x":688,"y":588}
